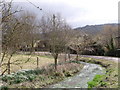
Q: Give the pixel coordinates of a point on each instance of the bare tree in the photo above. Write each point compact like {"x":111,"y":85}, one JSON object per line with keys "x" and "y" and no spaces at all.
{"x":75,"y":42}
{"x":29,"y":30}
{"x":107,"y":38}
{"x":79,"y":42}
{"x":16,"y":31}
{"x":107,"y":33}
{"x":55,"y":28}
{"x":10,"y":34}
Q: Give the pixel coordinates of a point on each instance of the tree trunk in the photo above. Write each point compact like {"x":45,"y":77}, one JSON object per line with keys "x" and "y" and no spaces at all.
{"x":77,"y":56}
{"x":69,"y":56}
{"x":65,"y":54}
{"x":8,"y":66}
{"x":2,"y":59}
{"x":55,"y":58}
{"x":65,"y":57}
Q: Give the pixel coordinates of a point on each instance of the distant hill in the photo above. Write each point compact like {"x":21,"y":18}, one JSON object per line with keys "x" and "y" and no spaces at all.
{"x":93,"y":29}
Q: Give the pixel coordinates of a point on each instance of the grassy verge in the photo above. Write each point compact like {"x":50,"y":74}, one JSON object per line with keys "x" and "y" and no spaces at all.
{"x":39,"y":78}
{"x":110,"y":79}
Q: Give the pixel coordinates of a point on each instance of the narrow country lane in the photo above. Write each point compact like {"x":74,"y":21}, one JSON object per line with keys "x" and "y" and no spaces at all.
{"x":116,"y":59}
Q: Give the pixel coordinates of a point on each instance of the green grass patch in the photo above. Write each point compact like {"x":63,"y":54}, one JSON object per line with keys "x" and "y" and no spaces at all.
{"x":98,"y":80}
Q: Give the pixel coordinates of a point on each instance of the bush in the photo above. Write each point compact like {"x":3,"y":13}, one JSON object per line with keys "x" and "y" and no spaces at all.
{"x":42,"y":78}
{"x":31,"y":77}
{"x":16,"y":81}
{"x":3,"y":88}
{"x":6,"y":78}
{"x":68,"y":73}
{"x":58,"y":74}
{"x":21,"y":76}
{"x":103,"y":83}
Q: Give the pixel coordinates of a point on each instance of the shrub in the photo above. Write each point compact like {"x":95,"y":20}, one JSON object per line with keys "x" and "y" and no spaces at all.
{"x":31,"y":77}
{"x":103,"y":83}
{"x":6,"y":78}
{"x":68,"y":74}
{"x":3,"y":88}
{"x":16,"y":81}
{"x":58,"y":74}
{"x":42,"y":78}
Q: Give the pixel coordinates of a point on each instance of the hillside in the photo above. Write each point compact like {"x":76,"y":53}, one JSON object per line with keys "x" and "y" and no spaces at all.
{"x":93,"y":29}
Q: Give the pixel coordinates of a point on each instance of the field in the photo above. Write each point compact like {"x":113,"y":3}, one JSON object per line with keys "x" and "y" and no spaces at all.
{"x":22,"y":62}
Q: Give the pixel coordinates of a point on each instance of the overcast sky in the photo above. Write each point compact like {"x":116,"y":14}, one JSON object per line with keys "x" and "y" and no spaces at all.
{"x":78,"y":12}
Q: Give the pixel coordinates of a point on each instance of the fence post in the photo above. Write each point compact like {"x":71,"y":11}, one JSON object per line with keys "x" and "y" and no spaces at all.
{"x":37,"y":62}
{"x":8,"y":66}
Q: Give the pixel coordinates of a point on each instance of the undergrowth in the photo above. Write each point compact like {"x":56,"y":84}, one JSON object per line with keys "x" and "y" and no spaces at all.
{"x":40,"y":77}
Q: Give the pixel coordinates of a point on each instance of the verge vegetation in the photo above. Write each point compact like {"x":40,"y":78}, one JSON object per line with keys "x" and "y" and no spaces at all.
{"x":39,"y":78}
{"x":110,"y":79}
